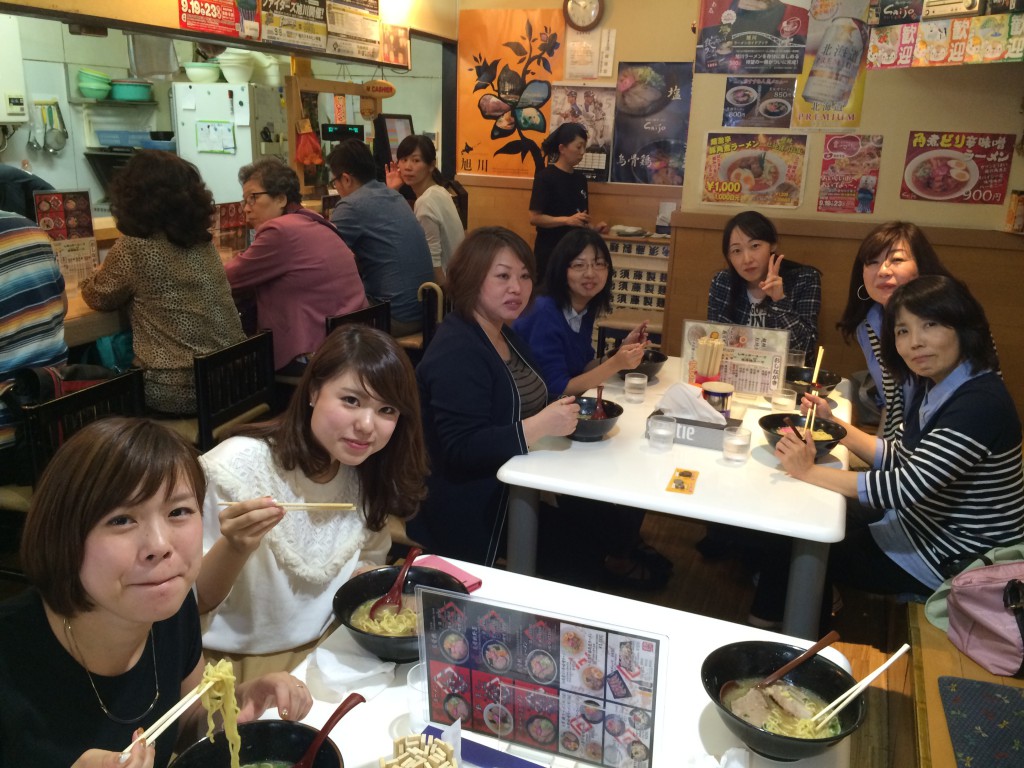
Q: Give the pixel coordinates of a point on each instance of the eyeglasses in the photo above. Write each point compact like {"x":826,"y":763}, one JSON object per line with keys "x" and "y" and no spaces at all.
{"x":250,"y":199}
{"x":582,"y":266}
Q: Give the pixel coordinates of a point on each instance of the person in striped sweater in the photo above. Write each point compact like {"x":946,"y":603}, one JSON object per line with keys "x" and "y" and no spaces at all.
{"x":950,"y":483}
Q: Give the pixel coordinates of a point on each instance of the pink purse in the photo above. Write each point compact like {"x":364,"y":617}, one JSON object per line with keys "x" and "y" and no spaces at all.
{"x":986,"y":616}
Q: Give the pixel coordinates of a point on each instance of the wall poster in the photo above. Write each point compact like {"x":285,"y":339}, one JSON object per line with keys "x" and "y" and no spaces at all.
{"x":652,"y":117}
{"x":754,"y":169}
{"x":594,"y":109}
{"x":957,"y":167}
{"x":296,"y":23}
{"x":755,"y":37}
{"x":507,"y":62}
{"x":849,"y":173}
{"x":758,"y":102}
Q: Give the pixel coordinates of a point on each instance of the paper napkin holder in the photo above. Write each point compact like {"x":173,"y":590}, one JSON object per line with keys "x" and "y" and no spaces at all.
{"x":702,"y":434}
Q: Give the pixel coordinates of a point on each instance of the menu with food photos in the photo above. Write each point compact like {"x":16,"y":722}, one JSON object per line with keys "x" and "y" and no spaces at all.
{"x":581,"y":690}
{"x":67,"y":218}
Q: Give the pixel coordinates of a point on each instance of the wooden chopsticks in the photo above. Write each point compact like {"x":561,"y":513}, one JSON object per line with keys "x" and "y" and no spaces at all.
{"x":340,"y":506}
{"x":172,"y":714}
{"x":843,"y":699}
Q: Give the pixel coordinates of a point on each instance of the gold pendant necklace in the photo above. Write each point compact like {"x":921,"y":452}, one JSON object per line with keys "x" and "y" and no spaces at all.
{"x":107,"y":712}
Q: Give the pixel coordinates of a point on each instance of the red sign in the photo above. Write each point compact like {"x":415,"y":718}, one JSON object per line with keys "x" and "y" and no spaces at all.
{"x":955,"y":167}
{"x":217,"y":17}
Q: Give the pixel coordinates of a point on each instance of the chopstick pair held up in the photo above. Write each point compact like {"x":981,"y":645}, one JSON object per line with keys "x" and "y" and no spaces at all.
{"x":844,"y":699}
{"x":168,"y":718}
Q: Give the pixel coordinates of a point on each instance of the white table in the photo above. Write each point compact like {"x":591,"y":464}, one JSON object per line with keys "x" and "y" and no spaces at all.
{"x":622,"y":469}
{"x":686,"y":721}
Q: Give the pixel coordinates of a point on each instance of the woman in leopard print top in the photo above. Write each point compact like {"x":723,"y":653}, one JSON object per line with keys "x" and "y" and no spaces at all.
{"x":167,"y":272}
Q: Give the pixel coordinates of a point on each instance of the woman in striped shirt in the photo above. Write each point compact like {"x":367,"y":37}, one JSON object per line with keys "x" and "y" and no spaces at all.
{"x":950,"y":483}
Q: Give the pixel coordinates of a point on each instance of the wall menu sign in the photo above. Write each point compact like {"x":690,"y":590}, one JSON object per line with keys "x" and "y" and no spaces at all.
{"x":568,"y":687}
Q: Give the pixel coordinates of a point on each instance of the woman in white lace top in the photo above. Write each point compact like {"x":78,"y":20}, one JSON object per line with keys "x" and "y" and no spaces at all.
{"x":352,"y":433}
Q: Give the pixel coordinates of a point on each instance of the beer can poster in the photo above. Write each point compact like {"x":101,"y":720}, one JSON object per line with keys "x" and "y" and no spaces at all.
{"x":754,"y":169}
{"x":849,"y":173}
{"x":951,"y":167}
{"x":830,"y":89}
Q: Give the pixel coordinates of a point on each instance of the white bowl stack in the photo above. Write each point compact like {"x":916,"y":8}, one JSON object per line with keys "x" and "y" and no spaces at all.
{"x":237,"y":66}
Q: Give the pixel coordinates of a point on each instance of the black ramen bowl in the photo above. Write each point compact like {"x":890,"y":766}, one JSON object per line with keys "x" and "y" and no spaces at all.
{"x":757,"y":659}
{"x":650,"y":365}
{"x":799,"y":380}
{"x":589,"y":429}
{"x":262,"y":741}
{"x":775,"y":421}
{"x":374,"y":584}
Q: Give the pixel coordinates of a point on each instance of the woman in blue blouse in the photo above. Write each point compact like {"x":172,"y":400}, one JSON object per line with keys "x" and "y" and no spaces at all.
{"x":949,"y":485}
{"x":560,"y":324}
{"x":891,"y":255}
{"x":760,"y":288}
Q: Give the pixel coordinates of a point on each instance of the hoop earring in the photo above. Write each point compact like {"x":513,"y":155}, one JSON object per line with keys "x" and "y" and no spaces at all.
{"x":862,"y":287}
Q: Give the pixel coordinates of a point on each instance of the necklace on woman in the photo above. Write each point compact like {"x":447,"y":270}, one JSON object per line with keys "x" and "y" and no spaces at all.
{"x":107,"y":712}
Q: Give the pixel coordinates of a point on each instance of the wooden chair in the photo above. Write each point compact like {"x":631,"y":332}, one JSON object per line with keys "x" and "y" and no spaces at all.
{"x":434,"y":308}
{"x":234,"y":385}
{"x":376,"y":316}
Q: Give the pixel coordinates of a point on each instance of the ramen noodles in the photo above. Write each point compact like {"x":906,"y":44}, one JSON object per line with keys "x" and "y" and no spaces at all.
{"x":816,"y":434}
{"x":221,"y":698}
{"x":779,"y":708}
{"x":755,"y":172}
{"x":941,"y":175}
{"x":387,"y":623}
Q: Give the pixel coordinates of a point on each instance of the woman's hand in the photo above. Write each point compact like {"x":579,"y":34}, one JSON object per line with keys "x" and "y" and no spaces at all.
{"x":628,"y":356}
{"x":797,"y":456}
{"x":772,"y":283}
{"x":278,"y":689}
{"x":557,"y":420}
{"x":243,"y":525}
{"x":578,"y":219}
{"x":392,"y":176}
{"x":823,"y":411}
{"x":638,"y":335}
{"x":601,"y":227}
{"x":141,"y":756}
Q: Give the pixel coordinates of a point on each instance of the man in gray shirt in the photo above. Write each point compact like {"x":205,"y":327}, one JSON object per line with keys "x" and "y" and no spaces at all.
{"x":379,"y":226}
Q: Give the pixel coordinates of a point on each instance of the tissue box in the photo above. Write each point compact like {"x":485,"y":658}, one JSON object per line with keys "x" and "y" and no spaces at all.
{"x":701,"y":434}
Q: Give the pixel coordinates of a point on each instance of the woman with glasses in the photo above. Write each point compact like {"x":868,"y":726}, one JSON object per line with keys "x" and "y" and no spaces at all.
{"x":298,"y":267}
{"x":560,"y":324}
{"x":762,"y":289}
{"x":166,"y":271}
{"x":891,"y":255}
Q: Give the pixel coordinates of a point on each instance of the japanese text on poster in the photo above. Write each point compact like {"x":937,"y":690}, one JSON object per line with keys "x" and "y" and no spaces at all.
{"x":299,"y":23}
{"x":957,"y":167}
{"x":758,"y":102}
{"x":755,"y":37}
{"x":754,"y":169}
{"x":849,"y":173}
{"x":218,"y":17}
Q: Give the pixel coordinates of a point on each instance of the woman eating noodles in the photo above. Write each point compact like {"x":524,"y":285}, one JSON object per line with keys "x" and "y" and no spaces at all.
{"x":949,"y":485}
{"x":107,"y":639}
{"x":483,"y":399}
{"x":351,"y":434}
{"x":891,"y":255}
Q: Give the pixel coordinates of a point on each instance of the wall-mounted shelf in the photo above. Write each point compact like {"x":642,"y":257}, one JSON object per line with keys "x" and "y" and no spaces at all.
{"x":110,"y":103}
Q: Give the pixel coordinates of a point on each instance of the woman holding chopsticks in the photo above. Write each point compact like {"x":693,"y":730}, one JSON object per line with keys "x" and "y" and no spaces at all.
{"x":107,"y":640}
{"x":349,"y":449}
{"x":949,"y":485}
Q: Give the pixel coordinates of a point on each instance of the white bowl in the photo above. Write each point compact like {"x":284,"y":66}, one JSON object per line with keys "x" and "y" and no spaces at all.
{"x":202,"y":71}
{"x":237,"y":71}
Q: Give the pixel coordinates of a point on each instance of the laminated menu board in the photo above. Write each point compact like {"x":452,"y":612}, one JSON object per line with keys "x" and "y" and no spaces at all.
{"x":580,"y":690}
{"x":67,"y":218}
{"x":753,"y":361}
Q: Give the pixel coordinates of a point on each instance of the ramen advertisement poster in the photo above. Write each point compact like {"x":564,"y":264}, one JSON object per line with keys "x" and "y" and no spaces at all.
{"x":849,"y":173}
{"x":957,"y":167}
{"x":758,"y":102}
{"x":754,"y":37}
{"x":754,"y":169}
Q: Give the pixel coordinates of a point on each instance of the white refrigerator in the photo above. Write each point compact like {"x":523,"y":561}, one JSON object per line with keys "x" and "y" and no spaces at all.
{"x":221,"y":127}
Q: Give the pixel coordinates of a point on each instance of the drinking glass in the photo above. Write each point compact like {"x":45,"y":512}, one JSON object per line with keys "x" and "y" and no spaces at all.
{"x":736,"y":444}
{"x":796,"y":358}
{"x":784,"y":401}
{"x":636,"y":387}
{"x":416,"y":693}
{"x":661,"y":432}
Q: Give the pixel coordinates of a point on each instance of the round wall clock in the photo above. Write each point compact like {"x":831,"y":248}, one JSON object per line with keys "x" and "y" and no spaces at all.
{"x":583,"y":15}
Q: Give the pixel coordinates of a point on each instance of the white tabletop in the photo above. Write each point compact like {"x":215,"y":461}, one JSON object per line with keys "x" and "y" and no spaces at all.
{"x":623,"y":469}
{"x":686,"y":722}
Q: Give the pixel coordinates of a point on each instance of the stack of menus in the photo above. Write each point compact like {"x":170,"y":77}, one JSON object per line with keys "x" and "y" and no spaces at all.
{"x":753,"y":361}
{"x":579,"y":690}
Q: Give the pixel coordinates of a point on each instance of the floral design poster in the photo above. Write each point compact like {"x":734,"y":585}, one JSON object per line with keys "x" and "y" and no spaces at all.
{"x":594,"y":109}
{"x":758,"y":102}
{"x":952,"y":167}
{"x":508,"y":60}
{"x":754,"y":37}
{"x":652,"y":117}
{"x":849,"y":173}
{"x":754,"y":169}
{"x":830,"y":89}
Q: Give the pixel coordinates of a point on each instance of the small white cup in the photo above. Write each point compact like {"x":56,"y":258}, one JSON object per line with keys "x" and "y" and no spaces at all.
{"x":735,"y":444}
{"x":784,"y":401}
{"x":661,"y":432}
{"x":796,"y":358}
{"x":416,"y":693}
{"x":636,"y":387}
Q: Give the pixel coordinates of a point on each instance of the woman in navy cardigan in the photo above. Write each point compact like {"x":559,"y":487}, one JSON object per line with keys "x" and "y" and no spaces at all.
{"x":560,"y":325}
{"x":482,"y":398}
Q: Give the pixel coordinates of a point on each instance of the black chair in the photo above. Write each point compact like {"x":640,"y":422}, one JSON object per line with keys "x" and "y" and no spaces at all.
{"x":434,"y":307}
{"x":376,"y":316}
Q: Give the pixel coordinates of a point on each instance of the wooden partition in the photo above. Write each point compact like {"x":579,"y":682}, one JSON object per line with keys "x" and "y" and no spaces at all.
{"x":989,"y":262}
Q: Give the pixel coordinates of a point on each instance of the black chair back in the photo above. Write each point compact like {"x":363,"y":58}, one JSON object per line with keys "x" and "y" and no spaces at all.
{"x":234,"y":384}
{"x":376,"y":316}
{"x":49,"y":424}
